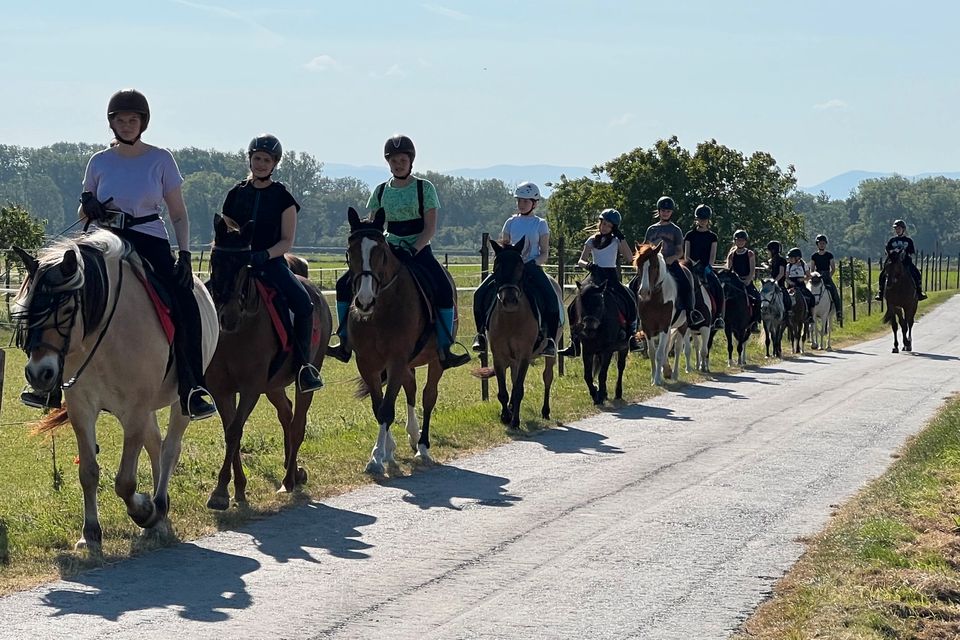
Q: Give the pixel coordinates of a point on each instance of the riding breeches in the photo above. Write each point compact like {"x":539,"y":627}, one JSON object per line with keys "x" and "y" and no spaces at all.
{"x":543,"y":295}
{"x":627,"y":300}
{"x":277,"y":273}
{"x":685,"y":299}
{"x":483,"y":299}
{"x":188,"y":339}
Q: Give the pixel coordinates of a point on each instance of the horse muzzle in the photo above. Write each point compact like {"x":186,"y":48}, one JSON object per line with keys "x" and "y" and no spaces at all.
{"x":42,"y":374}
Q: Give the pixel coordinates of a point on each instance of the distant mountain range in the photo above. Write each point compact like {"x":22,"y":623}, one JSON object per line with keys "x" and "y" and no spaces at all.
{"x":508,"y":173}
{"x":839,"y":187}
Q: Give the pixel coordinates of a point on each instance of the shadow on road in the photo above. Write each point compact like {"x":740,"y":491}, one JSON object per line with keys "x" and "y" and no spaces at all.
{"x":932,"y":356}
{"x":727,"y":378}
{"x":703,"y":392}
{"x":314,"y":526}
{"x":853,"y":352}
{"x":160,"y":581}
{"x":567,"y":439}
{"x":440,"y":487}
{"x":641,"y":412}
{"x":771,"y":370}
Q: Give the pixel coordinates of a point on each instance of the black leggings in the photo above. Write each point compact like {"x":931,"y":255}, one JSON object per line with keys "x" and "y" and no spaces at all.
{"x":685,"y":299}
{"x":277,"y":273}
{"x":187,"y":341}
{"x":535,"y":282}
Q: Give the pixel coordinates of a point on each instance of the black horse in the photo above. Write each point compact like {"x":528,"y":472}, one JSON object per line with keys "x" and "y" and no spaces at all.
{"x":598,"y":327}
{"x":737,"y":315}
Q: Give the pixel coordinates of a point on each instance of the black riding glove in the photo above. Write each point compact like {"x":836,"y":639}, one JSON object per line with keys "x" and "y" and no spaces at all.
{"x":259,"y":258}
{"x":183,"y":270}
{"x":93,"y":208}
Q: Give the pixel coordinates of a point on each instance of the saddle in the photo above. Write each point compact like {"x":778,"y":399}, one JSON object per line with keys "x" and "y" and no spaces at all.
{"x":427,"y":289}
{"x":281,"y":317}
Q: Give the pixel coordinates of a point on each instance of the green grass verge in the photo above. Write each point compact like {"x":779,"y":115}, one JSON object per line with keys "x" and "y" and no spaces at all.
{"x":41,"y":502}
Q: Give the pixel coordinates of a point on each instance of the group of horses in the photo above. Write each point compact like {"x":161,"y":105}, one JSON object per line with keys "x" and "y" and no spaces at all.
{"x":86,"y":304}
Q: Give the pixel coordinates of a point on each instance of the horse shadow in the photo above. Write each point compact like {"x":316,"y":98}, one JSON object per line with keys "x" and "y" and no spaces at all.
{"x":316,"y":526}
{"x":567,"y":439}
{"x":641,"y":412}
{"x":704,"y":392}
{"x":761,"y":369}
{"x":166,"y":579}
{"x":853,"y":352}
{"x":446,"y":484}
{"x":933,"y":356}
{"x":726,"y":378}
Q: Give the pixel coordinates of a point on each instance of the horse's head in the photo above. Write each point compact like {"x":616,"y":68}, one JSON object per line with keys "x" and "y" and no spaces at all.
{"x":650,"y":269}
{"x":771,"y":299}
{"x":593,"y":307}
{"x":508,"y":272}
{"x":46,"y":311}
{"x":894,"y":265}
{"x":371,"y":260}
{"x":231,"y":286}
{"x":816,"y":281}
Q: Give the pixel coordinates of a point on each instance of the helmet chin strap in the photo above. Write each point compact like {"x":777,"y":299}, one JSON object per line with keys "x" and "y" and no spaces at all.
{"x":127,"y":142}
{"x":256,"y":178}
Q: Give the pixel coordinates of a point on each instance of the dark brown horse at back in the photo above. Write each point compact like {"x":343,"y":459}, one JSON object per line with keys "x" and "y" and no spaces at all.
{"x":392,"y":332}
{"x":250,"y":360}
{"x":900,"y":295}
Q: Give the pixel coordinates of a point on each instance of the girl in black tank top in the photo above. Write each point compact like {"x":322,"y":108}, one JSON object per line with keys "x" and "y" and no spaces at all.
{"x":741,"y":263}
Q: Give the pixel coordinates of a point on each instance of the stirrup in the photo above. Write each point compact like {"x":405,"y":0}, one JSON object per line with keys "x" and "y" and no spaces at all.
{"x":341,"y":352}
{"x":921,"y":295}
{"x":308,"y":379}
{"x":718,"y":323}
{"x":635,"y":345}
{"x":570,"y":351}
{"x":879,"y":296}
{"x":479,"y":343}
{"x":35,"y":400}
{"x":696,"y":317}
{"x":197,"y":407}
{"x":549,"y":349}
{"x":449,"y":360}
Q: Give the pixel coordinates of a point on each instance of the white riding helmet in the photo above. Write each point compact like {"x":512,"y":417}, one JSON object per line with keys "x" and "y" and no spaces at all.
{"x":527,"y":190}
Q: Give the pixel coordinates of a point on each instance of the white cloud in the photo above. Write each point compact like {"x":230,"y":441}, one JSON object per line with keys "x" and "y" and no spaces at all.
{"x":445,"y":11}
{"x":834,"y":104}
{"x":621,"y":121}
{"x":233,"y":15}
{"x":322,"y":63}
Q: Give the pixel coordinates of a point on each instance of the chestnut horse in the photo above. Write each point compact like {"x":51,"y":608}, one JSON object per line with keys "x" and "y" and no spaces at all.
{"x":900,"y":294}
{"x":656,"y":305}
{"x":392,"y":333}
{"x":249,"y":359}
{"x":514,"y":335}
{"x":84,"y":317}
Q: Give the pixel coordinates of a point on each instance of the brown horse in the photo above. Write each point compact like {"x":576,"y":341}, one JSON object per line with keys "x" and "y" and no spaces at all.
{"x":84,"y":317}
{"x":514,"y":335}
{"x":392,"y":333}
{"x":900,"y":294}
{"x":250,"y":360}
{"x":656,"y":305}
{"x":798,"y":320}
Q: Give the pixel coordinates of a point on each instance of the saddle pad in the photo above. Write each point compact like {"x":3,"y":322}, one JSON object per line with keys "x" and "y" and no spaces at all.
{"x":163,"y":311}
{"x":269,"y":297}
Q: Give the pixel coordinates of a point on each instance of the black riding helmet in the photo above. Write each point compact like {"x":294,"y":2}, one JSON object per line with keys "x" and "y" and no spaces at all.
{"x":899,"y":223}
{"x":774,"y":246}
{"x":129,"y":100}
{"x":821,"y":238}
{"x":399,"y":144}
{"x":703,"y":212}
{"x":740,"y":234}
{"x":268,"y":144}
{"x":795,"y":253}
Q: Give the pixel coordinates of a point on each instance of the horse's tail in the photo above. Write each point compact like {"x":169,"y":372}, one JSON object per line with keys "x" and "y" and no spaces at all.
{"x":483,"y":373}
{"x":52,"y":421}
{"x":362,"y":389}
{"x":890,"y":315}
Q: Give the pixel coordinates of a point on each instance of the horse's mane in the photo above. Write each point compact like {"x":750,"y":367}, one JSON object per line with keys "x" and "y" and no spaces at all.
{"x":667,"y":284}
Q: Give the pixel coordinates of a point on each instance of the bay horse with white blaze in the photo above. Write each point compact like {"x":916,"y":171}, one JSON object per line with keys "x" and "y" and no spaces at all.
{"x":900,"y":295}
{"x":514,"y":335}
{"x":392,"y":332}
{"x":251,"y":360}
{"x":85,"y":317}
{"x":656,"y":306}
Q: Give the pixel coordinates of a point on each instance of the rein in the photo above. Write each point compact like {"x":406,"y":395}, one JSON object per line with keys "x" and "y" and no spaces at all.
{"x":103,"y":332}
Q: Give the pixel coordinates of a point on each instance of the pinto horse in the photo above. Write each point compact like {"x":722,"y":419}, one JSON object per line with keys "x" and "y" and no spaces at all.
{"x":250,"y":359}
{"x":773,"y":315}
{"x":736,"y":316}
{"x":656,"y":306}
{"x":822,"y":321}
{"x":83,"y":316}
{"x":392,"y":333}
{"x":900,"y":294}
{"x":514,"y":335}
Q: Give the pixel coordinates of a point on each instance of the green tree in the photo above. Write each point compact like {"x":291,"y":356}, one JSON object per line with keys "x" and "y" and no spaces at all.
{"x":18,"y":227}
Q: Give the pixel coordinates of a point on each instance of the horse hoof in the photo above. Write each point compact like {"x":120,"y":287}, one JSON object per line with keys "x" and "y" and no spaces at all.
{"x":545,"y":414}
{"x":423,"y":460}
{"x":374,"y":468}
{"x":895,"y":350}
{"x":218,"y":502}
{"x":393,"y":469}
{"x":505,"y":418}
{"x":301,"y":476}
{"x":91,"y":547}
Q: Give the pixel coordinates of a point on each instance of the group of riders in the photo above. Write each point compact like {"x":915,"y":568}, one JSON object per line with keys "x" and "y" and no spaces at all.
{"x":127,"y":185}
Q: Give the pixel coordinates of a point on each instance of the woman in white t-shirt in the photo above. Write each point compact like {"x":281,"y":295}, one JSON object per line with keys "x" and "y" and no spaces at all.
{"x":599,"y":257}
{"x":536,"y":249}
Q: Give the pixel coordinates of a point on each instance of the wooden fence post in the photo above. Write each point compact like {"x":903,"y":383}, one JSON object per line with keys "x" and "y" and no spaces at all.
{"x":869,"y":286}
{"x":939,"y":271}
{"x":853,"y":291}
{"x":3,"y":362}
{"x":561,"y":277}
{"x":484,"y":272}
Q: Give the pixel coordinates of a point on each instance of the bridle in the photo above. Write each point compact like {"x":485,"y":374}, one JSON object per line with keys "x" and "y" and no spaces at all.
{"x":377,"y":235}
{"x":247,"y":285}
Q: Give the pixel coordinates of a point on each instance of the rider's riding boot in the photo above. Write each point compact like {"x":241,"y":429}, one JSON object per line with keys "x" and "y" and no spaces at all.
{"x":198,"y":406}
{"x":571,"y":350}
{"x":549,"y":349}
{"x":445,"y":337}
{"x":634,"y":343}
{"x":718,"y":323}
{"x":37,"y":400}
{"x":308,"y":377}
{"x":342,"y":351}
{"x":920,"y":294}
{"x":879,"y":296}
{"x":480,"y":342}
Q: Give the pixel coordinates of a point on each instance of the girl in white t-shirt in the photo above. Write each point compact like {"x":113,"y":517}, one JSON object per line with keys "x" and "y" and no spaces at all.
{"x":797,"y":275}
{"x":536,"y":249}
{"x":599,"y":257}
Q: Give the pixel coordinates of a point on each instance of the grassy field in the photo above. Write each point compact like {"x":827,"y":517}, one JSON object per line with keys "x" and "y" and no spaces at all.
{"x":40,"y":499}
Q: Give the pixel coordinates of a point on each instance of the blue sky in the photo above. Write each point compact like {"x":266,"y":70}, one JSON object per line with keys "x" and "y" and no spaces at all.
{"x":826,"y":86}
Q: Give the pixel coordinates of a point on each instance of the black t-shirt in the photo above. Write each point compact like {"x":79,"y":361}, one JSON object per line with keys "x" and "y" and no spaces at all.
{"x":901,"y":243}
{"x":821,"y":262}
{"x":700,"y":242}
{"x":741,"y":263}
{"x":245,"y":202}
{"x":775,"y":263}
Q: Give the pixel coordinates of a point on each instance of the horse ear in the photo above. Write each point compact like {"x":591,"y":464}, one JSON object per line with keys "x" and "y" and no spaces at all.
{"x":579,"y":286}
{"x":495,"y":246}
{"x":69,"y":265}
{"x":379,"y":218}
{"x":31,"y":263}
{"x":658,"y":247}
{"x":353,"y":218}
{"x":519,"y":245}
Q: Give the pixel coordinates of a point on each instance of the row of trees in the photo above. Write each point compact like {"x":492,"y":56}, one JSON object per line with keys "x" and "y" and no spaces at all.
{"x":750,"y":192}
